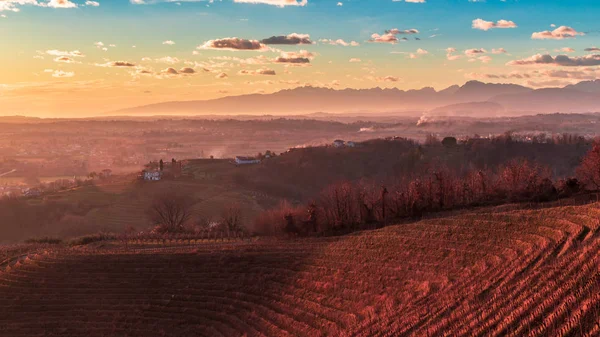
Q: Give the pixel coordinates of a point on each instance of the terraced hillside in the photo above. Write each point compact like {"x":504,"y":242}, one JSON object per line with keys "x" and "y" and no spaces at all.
{"x":491,"y":272}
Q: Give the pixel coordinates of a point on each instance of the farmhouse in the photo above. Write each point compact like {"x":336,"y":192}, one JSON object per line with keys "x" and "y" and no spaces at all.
{"x":239,"y":160}
{"x":32,"y":192}
{"x":151,"y":175}
{"x":338,"y":143}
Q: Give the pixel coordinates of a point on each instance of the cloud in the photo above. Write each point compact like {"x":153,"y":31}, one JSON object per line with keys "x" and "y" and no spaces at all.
{"x":64,"y":59}
{"x":487,"y":25}
{"x":387,"y":79}
{"x":339,"y":42}
{"x":566,"y":50}
{"x":260,"y":59}
{"x":187,"y":70}
{"x":499,"y":51}
{"x":74,"y":53}
{"x":279,"y":3}
{"x":60,"y":73}
{"x":291,"y":39}
{"x":559,"y":60}
{"x":484,"y":59}
{"x":475,"y":52}
{"x":92,"y":3}
{"x":166,"y":59}
{"x":14,"y":5}
{"x":301,"y":57}
{"x":234,"y":44}
{"x":397,"y":31}
{"x":592,"y":49}
{"x":221,"y":75}
{"x":562,"y":32}
{"x":257,"y":72}
{"x":450,"y":56}
{"x":390,"y":35}
{"x":550,"y":83}
{"x":352,"y":60}
{"x":418,"y":53}
{"x":116,"y":64}
{"x":385,"y":38}
{"x":170,"y":71}
{"x":414,"y":1}
{"x":168,"y":42}
{"x":61,"y":4}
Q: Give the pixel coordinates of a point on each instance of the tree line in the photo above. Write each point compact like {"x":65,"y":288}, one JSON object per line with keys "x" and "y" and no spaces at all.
{"x":347,"y":205}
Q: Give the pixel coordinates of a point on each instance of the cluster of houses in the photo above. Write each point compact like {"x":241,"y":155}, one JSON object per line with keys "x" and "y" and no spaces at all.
{"x":240,"y":160}
{"x":341,"y":143}
{"x":156,"y":171}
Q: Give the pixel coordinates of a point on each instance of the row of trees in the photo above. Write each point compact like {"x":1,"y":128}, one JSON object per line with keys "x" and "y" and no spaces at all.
{"x":348,"y":206}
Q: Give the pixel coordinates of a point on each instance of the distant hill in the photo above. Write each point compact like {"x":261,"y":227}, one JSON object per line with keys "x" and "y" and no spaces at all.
{"x":551,"y":100}
{"x":581,"y":97}
{"x":478,"y":91}
{"x":489,"y":109}
{"x":587,"y":86}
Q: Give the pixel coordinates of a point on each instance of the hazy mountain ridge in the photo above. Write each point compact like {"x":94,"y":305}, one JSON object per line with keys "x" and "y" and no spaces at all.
{"x":506,"y":98}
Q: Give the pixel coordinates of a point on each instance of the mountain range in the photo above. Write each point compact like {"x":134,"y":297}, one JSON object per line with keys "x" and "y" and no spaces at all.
{"x":474,"y":98}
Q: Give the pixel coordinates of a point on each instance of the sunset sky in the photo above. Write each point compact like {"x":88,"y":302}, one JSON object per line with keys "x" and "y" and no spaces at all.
{"x":79,"y":58}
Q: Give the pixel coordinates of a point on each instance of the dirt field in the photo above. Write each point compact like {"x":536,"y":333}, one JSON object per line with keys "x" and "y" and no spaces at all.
{"x":500,"y":271}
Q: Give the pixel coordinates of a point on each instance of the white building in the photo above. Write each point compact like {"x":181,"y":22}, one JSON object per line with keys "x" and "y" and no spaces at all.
{"x":338,"y":143}
{"x":246,"y":160}
{"x":32,"y":192}
{"x":152,"y":175}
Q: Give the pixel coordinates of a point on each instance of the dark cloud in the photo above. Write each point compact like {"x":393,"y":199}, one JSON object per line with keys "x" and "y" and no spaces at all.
{"x":301,"y":57}
{"x":397,"y":31}
{"x":389,"y":36}
{"x":281,"y":59}
{"x":257,"y":72}
{"x":559,"y":60}
{"x":187,"y":70}
{"x":234,"y":43}
{"x":291,"y":39}
{"x":170,"y":71}
{"x":120,"y":64}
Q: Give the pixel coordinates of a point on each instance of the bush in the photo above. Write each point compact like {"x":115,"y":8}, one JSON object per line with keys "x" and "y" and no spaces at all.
{"x":45,"y":240}
{"x":87,"y":239}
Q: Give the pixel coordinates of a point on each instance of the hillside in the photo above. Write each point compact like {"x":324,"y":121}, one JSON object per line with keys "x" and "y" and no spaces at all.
{"x":503,"y":271}
{"x":297,"y":176}
{"x":120,"y":204}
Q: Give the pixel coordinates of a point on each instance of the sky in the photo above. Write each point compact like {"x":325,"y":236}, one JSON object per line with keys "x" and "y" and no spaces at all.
{"x":69,"y":58}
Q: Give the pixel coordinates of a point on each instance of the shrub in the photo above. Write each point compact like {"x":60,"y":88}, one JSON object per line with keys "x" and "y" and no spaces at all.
{"x":45,"y":240}
{"x":87,"y":239}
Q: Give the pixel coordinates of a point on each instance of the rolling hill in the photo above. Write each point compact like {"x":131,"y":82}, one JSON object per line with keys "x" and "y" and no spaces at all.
{"x":503,"y":271}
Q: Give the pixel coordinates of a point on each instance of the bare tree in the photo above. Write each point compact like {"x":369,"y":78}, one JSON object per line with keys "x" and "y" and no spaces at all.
{"x":589,"y":170}
{"x":232,"y":218}
{"x":170,"y":211}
